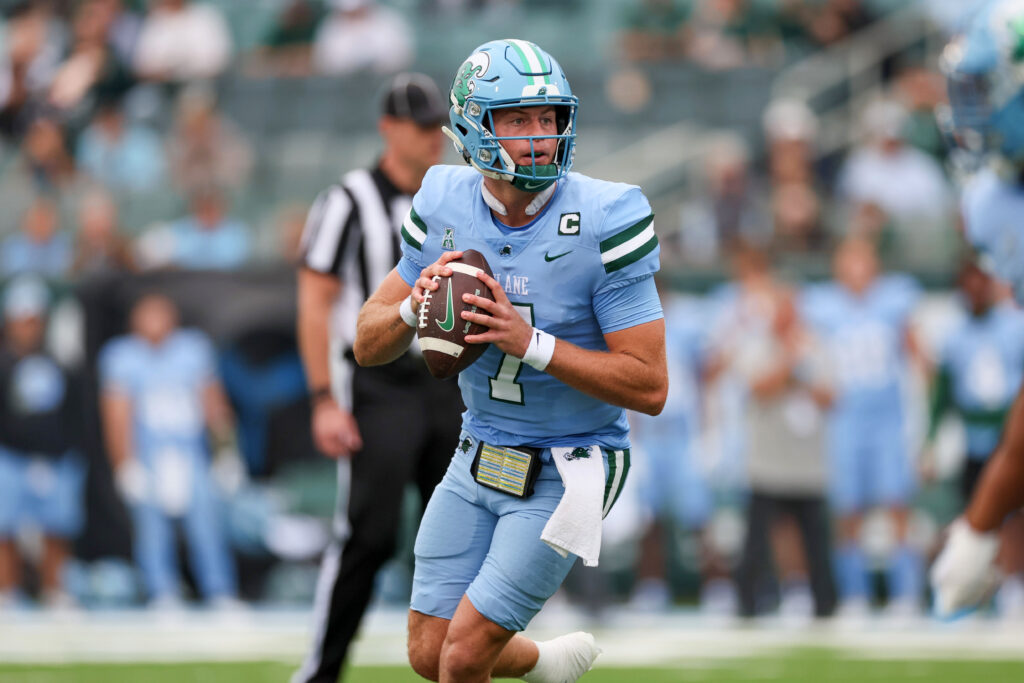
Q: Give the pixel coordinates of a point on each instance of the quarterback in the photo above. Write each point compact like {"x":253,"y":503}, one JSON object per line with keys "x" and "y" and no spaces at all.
{"x":986,"y":89}
{"x":576,"y":336}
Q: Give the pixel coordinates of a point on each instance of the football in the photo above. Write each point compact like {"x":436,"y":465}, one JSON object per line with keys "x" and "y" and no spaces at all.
{"x":441,"y":330}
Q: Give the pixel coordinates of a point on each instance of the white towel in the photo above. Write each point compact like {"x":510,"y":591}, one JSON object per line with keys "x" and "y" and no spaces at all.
{"x":575,"y":525}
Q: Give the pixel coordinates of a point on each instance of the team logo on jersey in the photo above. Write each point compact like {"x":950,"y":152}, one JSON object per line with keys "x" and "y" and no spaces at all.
{"x":569,"y":224}
{"x":449,"y":239}
{"x":577,"y":453}
{"x":474,"y":67}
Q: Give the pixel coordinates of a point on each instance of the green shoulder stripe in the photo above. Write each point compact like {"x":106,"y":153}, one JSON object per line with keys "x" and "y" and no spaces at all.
{"x":629,"y":245}
{"x":414,"y":230}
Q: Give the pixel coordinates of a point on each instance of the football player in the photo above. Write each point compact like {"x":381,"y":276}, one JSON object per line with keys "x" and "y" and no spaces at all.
{"x":864,"y":317}
{"x":576,"y":336}
{"x":986,"y":90}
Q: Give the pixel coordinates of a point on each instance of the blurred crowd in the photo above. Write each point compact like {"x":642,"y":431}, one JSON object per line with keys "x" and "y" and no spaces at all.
{"x":798,"y":408}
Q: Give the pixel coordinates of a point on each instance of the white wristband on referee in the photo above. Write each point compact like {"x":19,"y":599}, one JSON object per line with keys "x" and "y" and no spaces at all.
{"x":405,"y":310}
{"x":538,"y":353}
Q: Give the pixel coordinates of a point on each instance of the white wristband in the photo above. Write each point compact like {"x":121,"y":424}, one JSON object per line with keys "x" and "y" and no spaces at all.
{"x":538,"y":353}
{"x":405,"y":310}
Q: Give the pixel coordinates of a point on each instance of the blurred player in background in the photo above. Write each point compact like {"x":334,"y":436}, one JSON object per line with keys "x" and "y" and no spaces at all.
{"x":673,"y":491}
{"x":41,"y":476}
{"x":979,"y":373}
{"x":986,"y":92}
{"x":789,"y":382}
{"x":578,"y":339}
{"x":389,"y":426}
{"x":864,"y":318}
{"x":159,"y":395}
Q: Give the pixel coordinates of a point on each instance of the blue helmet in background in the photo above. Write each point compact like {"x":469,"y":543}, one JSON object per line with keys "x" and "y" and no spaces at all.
{"x":984,"y":68}
{"x":503,"y":74}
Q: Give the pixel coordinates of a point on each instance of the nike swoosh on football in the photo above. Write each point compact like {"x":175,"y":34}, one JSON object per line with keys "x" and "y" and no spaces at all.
{"x":549,"y":259}
{"x":449,"y":318}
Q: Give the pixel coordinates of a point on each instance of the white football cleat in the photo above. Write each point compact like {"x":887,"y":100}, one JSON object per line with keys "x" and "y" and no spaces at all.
{"x":564,"y":659}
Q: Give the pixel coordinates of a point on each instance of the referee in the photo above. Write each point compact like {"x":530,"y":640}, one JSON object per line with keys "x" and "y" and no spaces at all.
{"x":387,"y":426}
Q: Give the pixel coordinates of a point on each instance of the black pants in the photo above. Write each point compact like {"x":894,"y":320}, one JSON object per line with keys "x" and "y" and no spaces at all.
{"x":410,"y":425}
{"x":756,"y":565}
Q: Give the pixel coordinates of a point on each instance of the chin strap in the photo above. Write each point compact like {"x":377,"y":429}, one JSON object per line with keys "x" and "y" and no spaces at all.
{"x":532,"y":208}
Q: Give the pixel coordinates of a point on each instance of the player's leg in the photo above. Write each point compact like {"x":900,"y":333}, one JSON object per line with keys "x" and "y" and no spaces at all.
{"x":756,"y":558}
{"x":368,"y":513}
{"x":209,"y":553}
{"x":847,"y":497}
{"x":893,"y":478}
{"x":11,"y":479}
{"x":153,"y":545}
{"x":518,"y":575}
{"x":813,"y":520}
{"x":59,"y":512}
{"x":453,"y":540}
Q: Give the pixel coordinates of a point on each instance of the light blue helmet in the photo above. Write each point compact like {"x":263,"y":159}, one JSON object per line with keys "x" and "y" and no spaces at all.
{"x":984,"y":69}
{"x":502,"y":74}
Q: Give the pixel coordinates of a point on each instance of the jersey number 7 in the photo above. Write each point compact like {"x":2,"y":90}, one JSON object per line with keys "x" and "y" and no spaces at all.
{"x":504,"y":386}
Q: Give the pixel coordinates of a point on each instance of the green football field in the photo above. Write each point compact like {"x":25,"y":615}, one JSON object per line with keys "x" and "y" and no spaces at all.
{"x":797,"y":667}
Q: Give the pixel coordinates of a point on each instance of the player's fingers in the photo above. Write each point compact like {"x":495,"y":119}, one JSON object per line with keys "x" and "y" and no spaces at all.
{"x":449,"y":256}
{"x":482,"y":338}
{"x":492,"y":284}
{"x":480,"y":302}
{"x":488,"y":321}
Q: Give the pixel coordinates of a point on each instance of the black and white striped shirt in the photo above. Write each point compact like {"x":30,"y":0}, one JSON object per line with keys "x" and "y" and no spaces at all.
{"x":352,"y":232}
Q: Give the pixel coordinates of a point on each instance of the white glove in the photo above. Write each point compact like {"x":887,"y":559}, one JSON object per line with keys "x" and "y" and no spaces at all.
{"x":964,"y":573}
{"x":131,"y":481}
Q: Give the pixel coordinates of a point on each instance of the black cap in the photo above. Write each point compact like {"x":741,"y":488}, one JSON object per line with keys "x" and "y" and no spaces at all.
{"x":415,"y":96}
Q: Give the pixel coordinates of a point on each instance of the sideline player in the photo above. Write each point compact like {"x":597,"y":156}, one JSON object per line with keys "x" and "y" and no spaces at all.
{"x":387,"y":426}
{"x":576,"y":335}
{"x":986,"y":93}
{"x":864,"y":317}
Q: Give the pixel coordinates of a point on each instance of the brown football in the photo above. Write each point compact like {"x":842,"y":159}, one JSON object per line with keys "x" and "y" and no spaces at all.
{"x":442,"y":331}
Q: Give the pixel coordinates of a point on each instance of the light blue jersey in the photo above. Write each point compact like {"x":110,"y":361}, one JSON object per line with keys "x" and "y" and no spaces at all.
{"x":992,"y":210}
{"x":165,"y":385}
{"x":582,"y":268}
{"x":671,"y":480}
{"x":866,"y":337}
{"x":984,"y":356}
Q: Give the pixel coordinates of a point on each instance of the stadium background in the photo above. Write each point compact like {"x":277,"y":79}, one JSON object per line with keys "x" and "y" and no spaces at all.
{"x":673,"y":97}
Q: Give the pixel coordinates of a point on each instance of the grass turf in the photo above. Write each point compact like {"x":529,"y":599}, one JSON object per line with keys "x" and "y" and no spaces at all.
{"x":796,"y":667}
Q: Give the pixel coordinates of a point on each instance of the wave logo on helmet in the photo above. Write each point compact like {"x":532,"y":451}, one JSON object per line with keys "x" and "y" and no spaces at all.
{"x":464,"y":85}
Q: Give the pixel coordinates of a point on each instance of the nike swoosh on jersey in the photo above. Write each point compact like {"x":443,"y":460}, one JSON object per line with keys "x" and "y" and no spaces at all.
{"x":449,"y":318}
{"x":549,"y":259}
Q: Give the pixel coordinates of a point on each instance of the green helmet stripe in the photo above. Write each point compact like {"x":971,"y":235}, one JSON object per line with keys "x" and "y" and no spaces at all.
{"x":543,"y":65}
{"x":520,"y":47}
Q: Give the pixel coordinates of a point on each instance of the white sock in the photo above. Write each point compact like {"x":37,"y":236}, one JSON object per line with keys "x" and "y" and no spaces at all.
{"x":563,"y":659}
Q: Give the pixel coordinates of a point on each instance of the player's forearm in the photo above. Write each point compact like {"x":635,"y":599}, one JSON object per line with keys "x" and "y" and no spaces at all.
{"x":1001,"y":489}
{"x":381,"y":334}
{"x":117,"y":429}
{"x":619,"y":378}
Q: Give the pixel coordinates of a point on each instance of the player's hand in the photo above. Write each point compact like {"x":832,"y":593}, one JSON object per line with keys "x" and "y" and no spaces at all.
{"x":335,"y":432}
{"x":965,"y":574}
{"x":131,"y":481}
{"x":425,"y":282}
{"x":508,"y":330}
